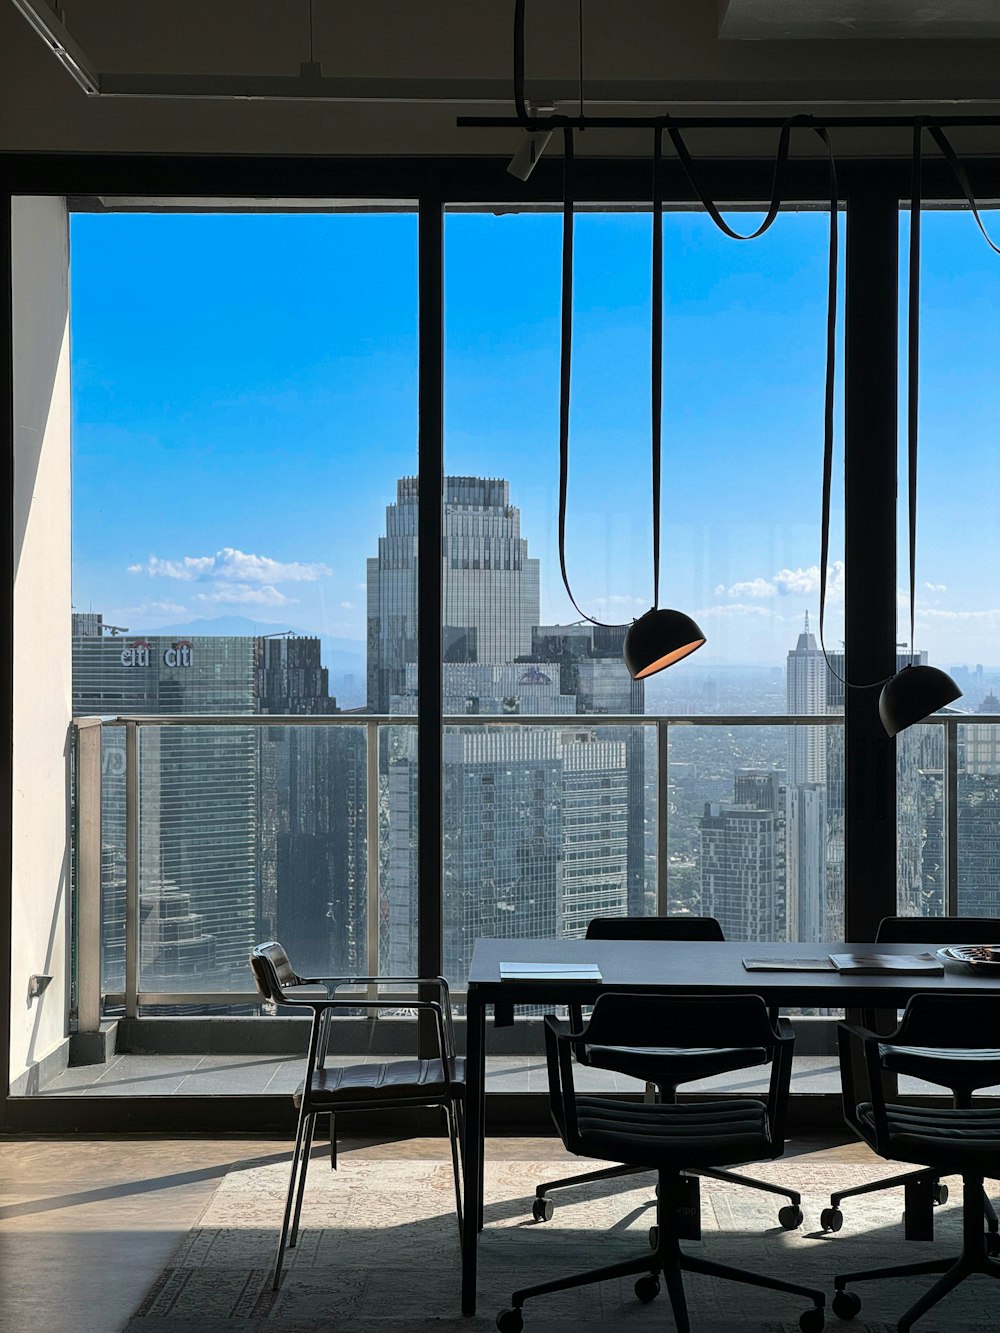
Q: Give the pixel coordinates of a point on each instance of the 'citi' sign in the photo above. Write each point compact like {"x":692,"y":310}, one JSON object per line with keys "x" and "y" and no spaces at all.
{"x":180,"y":654}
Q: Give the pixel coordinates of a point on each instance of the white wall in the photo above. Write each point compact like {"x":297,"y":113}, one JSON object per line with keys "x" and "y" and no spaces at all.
{"x":42,"y":650}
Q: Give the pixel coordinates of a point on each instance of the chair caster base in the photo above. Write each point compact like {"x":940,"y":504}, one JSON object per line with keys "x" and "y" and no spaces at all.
{"x":993,"y":1244}
{"x":846,"y":1304}
{"x":939,"y":1194}
{"x":510,"y":1321}
{"x":790,"y":1216}
{"x":831,"y":1219}
{"x":647,"y":1289}
{"x":654,"y":1237}
{"x":542,"y":1210}
{"x":812,"y":1321}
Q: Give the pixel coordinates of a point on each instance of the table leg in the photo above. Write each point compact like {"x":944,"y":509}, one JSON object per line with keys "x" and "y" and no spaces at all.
{"x":472,"y":1165}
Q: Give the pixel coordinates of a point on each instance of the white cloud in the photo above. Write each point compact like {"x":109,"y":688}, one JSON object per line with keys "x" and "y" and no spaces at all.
{"x":347,"y":606}
{"x":244,"y":594}
{"x":936,"y":587}
{"x":229,"y":563}
{"x":736,"y":610}
{"x":986,"y":617}
{"x":788,"y":582}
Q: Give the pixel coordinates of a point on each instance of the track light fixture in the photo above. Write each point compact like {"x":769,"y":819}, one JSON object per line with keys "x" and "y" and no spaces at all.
{"x":533,"y":144}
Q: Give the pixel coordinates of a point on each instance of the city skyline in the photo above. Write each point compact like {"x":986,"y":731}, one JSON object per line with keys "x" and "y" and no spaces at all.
{"x":203,"y":386}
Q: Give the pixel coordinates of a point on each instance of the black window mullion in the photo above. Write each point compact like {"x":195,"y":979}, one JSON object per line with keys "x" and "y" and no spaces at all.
{"x":430,"y":464}
{"x":870,"y":452}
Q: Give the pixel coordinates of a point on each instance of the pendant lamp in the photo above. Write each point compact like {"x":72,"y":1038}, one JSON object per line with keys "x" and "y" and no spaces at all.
{"x":661,"y":636}
{"x":918,"y":690}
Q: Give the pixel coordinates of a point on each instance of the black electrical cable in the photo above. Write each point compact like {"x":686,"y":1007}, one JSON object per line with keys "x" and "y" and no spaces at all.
{"x":520,"y":106}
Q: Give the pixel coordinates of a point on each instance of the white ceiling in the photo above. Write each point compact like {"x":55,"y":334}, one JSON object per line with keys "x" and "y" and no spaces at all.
{"x":775,"y":20}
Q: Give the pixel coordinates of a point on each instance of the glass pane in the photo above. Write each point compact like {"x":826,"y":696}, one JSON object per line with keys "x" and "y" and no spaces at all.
{"x":244,"y":400}
{"x":748,"y":845}
{"x":532,"y":846}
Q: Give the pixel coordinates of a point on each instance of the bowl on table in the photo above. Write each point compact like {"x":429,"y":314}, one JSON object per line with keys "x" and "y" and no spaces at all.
{"x":979,"y":958}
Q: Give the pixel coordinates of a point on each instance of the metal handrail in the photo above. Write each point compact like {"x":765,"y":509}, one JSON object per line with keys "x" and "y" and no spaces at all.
{"x":88,"y":731}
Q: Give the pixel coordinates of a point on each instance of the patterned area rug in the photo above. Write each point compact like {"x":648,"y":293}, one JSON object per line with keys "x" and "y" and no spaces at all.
{"x":378,"y":1253}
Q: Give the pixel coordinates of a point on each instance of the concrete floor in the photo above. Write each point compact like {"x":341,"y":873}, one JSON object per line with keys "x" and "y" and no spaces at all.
{"x":208,"y":1075}
{"x":86,"y":1224}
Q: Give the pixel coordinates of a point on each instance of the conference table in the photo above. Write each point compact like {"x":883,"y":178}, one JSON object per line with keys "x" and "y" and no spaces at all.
{"x":668,"y":966}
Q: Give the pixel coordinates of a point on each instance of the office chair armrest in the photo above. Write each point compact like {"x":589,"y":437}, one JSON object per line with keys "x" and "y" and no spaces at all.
{"x":783,"y":1030}
{"x":559,"y":1065}
{"x":850,"y":1035}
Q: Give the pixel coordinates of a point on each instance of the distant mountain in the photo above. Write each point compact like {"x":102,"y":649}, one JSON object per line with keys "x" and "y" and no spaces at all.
{"x":345,"y":656}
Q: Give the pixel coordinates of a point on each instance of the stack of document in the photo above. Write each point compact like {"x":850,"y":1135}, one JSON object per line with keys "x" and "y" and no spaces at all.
{"x":550,"y":972}
{"x":872,"y":964}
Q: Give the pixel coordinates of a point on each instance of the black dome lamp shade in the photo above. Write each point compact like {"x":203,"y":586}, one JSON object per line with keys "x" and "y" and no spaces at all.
{"x":659,"y":639}
{"x":661,"y":636}
{"x":913,"y":694}
{"x":918,"y":690}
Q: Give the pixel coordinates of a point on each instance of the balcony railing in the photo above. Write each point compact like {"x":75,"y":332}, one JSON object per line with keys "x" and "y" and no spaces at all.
{"x":94,"y":998}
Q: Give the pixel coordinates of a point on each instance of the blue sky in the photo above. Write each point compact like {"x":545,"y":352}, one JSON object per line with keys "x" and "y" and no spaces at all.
{"x":245,"y":397}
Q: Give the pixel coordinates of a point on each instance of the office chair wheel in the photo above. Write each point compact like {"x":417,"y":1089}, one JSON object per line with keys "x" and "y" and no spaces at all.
{"x":647,"y":1289}
{"x":812,"y":1321}
{"x":510,"y":1321}
{"x":831,"y":1219}
{"x":790,"y":1216}
{"x":940,"y":1193}
{"x":542,"y":1210}
{"x":993,"y":1245}
{"x":846,"y":1305}
{"x":654,"y":1237}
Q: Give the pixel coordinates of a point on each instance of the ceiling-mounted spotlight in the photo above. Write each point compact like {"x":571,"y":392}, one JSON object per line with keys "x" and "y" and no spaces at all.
{"x":532,"y":146}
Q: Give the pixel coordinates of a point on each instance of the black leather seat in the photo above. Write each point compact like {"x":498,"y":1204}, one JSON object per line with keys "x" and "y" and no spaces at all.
{"x":949,"y":1139}
{"x":664,"y":1068}
{"x":962,"y":1072}
{"x":359,"y":1087}
{"x":668,"y":1137}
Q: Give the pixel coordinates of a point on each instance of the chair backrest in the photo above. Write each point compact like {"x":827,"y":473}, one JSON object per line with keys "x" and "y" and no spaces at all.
{"x":654,"y":928}
{"x":272,"y":970}
{"x":684,"y":1022}
{"x":949,"y":1022}
{"x":940,"y":929}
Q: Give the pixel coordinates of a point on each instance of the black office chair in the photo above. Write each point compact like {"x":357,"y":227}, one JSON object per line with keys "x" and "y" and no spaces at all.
{"x":669,"y":1137}
{"x":664,"y":1068}
{"x":982,"y":1070}
{"x":360,"y":1087}
{"x":953,"y":1139}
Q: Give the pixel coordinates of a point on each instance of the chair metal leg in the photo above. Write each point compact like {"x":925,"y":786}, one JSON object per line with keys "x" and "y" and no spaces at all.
{"x":586,"y":1177}
{"x":303,"y":1168}
{"x":451,"y":1112}
{"x":647,"y":1264}
{"x":733,"y":1178}
{"x":283,"y":1237}
{"x":956,"y":1274}
{"x":897,"y":1270}
{"x":694,"y":1263}
{"x":887,"y":1183}
{"x":668,"y":1252}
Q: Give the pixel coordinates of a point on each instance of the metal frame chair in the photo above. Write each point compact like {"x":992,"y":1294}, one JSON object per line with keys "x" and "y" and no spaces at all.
{"x":672,"y":1067}
{"x":924,"y":1189}
{"x":953,"y":1139}
{"x":669,"y":1137}
{"x":361,"y":1087}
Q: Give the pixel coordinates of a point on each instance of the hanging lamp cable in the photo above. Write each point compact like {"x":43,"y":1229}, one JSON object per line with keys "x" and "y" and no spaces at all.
{"x":520,"y":105}
{"x":566,"y":362}
{"x":913,"y":365}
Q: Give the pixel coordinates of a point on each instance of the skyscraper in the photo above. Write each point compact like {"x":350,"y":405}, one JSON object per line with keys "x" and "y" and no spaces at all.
{"x":490,"y":583}
{"x":197,"y":804}
{"x":543,"y":828}
{"x":312,"y":826}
